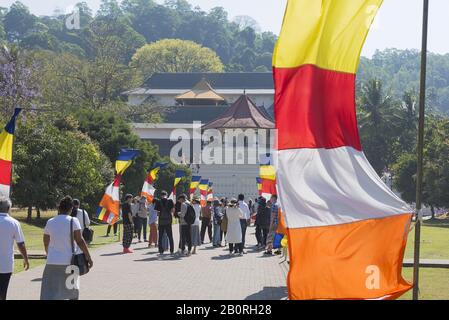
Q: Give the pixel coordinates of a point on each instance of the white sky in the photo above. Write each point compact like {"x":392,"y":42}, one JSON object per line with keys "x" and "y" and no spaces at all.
{"x":398,"y":24}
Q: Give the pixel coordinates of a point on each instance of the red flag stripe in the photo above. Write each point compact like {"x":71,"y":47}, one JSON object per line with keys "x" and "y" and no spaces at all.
{"x":315,"y":108}
{"x":5,"y":172}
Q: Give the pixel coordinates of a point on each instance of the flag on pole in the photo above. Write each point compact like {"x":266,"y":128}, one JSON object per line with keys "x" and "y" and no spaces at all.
{"x":210,"y":192}
{"x":347,"y":230}
{"x":109,"y":207}
{"x":148,"y":189}
{"x":124,"y":160}
{"x":259,"y":185}
{"x":6,"y":147}
{"x":178,"y":176}
{"x":267,"y":176}
{"x":204,"y":186}
{"x":194,"y":184}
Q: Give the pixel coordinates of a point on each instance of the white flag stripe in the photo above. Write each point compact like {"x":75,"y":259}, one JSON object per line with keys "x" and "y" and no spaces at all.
{"x":113,"y":192}
{"x":4,"y":190}
{"x":322,"y":187}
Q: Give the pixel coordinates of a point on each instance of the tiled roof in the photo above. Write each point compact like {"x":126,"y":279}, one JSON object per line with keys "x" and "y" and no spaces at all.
{"x":218,"y":81}
{"x":242,"y":114}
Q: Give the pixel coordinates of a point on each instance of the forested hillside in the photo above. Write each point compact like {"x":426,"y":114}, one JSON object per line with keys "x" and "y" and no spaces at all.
{"x":399,"y":70}
{"x":137,"y":22}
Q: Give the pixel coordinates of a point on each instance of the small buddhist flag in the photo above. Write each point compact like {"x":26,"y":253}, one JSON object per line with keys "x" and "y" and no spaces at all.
{"x":124,"y":160}
{"x":204,"y":187}
{"x":194,"y":184}
{"x":267,"y":176}
{"x":6,"y":147}
{"x":178,"y":176}
{"x":210,"y":192}
{"x":109,"y":208}
{"x":148,"y":189}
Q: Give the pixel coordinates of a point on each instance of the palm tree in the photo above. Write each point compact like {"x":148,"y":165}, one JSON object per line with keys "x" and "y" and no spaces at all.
{"x":379,"y":121}
{"x":378,"y":111}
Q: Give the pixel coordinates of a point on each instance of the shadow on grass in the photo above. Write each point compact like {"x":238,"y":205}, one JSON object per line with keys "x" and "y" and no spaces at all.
{"x":35,"y":222}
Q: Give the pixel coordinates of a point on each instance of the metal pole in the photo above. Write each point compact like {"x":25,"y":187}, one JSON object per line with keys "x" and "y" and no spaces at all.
{"x":419,"y":180}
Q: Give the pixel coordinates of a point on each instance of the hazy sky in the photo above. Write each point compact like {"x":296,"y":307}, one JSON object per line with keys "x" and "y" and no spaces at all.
{"x":398,"y":24}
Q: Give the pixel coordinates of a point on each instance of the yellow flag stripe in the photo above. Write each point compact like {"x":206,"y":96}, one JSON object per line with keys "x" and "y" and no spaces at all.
{"x":121,"y":166}
{"x":6,"y":141}
{"x":326,"y":33}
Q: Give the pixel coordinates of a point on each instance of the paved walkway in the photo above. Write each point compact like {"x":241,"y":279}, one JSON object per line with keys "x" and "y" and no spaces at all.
{"x":209,"y":275}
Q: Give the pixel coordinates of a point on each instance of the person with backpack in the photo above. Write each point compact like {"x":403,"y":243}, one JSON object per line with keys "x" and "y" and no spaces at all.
{"x":187,"y":218}
{"x":84,"y":220}
{"x":164,"y":208}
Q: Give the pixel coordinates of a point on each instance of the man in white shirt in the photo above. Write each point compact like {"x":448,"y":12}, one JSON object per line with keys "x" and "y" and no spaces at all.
{"x":80,"y":214}
{"x":10,"y":232}
{"x":246,"y":218}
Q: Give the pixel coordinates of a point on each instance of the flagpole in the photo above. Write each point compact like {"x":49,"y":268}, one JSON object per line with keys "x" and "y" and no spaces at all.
{"x":419,"y":182}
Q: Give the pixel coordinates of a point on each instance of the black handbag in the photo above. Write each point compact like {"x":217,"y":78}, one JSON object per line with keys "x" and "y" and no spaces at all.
{"x":88,"y":234}
{"x":78,"y":260}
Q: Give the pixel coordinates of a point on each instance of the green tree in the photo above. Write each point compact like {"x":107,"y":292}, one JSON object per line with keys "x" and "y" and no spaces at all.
{"x":379,"y":118}
{"x":18,"y":22}
{"x":174,"y":55}
{"x":167,"y":176}
{"x":436,"y":167}
{"x":55,"y":159}
{"x":113,"y":134}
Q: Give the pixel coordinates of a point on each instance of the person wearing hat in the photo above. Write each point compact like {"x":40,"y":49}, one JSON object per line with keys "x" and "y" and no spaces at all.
{"x":196,"y":238}
{"x":234,"y":229}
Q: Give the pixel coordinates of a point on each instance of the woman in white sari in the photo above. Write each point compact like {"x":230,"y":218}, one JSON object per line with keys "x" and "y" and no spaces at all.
{"x":234,"y":232}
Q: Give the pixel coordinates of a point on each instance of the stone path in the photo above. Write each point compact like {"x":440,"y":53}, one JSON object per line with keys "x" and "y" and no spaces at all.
{"x":209,"y":275}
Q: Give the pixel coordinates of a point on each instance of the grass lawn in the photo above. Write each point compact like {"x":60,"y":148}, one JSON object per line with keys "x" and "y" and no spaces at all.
{"x":434,"y":284}
{"x":34,"y":232}
{"x":434,"y":240}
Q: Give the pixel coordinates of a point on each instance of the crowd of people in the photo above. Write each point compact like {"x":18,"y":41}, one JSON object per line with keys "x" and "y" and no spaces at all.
{"x":225,"y":222}
{"x":65,"y":235}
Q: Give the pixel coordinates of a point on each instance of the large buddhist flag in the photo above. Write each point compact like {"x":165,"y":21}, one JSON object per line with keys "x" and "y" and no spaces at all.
{"x":347,"y":230}
{"x":194,"y":184}
{"x":178,"y":176}
{"x":6,"y":143}
{"x":109,"y":208}
{"x":204,"y":187}
{"x":267,"y":176}
{"x":148,"y":189}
